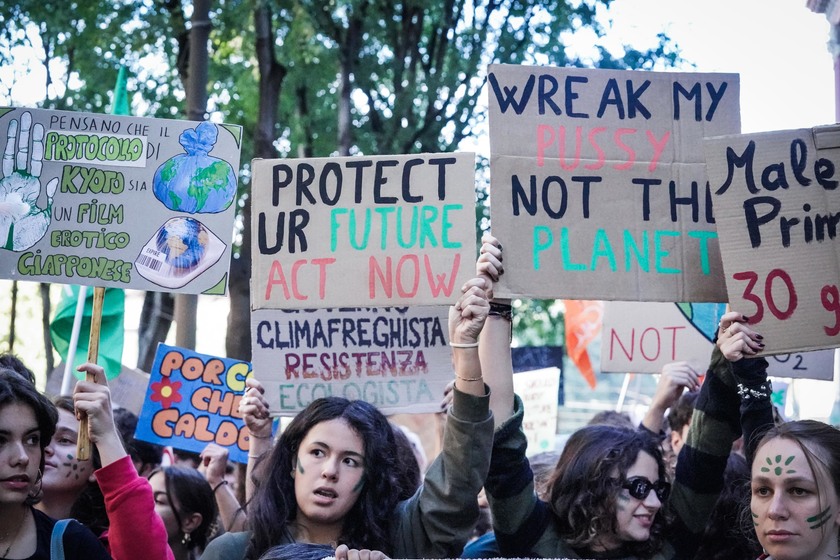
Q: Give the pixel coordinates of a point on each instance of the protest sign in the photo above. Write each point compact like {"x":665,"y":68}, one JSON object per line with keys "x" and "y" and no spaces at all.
{"x":643,"y":337}
{"x":192,"y":400}
{"x":538,"y":390}
{"x":362,"y":231}
{"x":777,"y":207}
{"x":395,"y":358}
{"x":598,"y":182}
{"x":117,"y":201}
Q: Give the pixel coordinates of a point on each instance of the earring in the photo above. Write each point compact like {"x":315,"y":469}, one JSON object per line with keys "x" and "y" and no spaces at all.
{"x":185,"y":540}
{"x":40,"y":482}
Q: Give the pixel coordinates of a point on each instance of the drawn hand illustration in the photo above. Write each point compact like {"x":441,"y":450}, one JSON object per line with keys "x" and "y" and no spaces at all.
{"x":22,"y":222}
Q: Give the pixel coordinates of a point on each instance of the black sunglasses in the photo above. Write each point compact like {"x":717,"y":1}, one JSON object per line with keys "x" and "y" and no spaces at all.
{"x":639,"y":487}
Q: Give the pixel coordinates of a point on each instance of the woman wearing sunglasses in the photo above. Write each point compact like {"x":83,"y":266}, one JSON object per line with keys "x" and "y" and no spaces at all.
{"x":608,"y":496}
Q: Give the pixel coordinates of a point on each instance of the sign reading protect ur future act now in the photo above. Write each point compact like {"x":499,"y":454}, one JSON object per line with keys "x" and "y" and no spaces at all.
{"x":598,"y":179}
{"x":362,"y":231}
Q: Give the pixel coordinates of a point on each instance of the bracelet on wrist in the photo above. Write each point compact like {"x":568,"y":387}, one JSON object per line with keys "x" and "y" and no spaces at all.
{"x":464,"y":344}
{"x":502,"y":310}
{"x":479,"y":378}
{"x":219,"y":485}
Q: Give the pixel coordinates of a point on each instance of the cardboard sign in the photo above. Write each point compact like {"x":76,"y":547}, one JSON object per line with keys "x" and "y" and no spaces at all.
{"x":116,"y":201}
{"x":362,"y":231}
{"x":777,"y":207}
{"x":192,"y":400}
{"x":598,"y":182}
{"x":538,"y":390}
{"x":643,"y":337}
{"x":395,"y":358}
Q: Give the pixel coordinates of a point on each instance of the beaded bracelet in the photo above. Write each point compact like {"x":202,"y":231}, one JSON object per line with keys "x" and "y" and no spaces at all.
{"x":763,"y":392}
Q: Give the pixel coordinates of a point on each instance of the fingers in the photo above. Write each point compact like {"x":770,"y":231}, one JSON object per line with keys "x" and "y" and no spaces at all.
{"x":37,"y":152}
{"x":96,"y":371}
{"x":736,"y":339}
{"x":473,"y":303}
{"x":343,"y":552}
{"x":9,"y":153}
{"x":23,"y":141}
{"x":448,"y":396}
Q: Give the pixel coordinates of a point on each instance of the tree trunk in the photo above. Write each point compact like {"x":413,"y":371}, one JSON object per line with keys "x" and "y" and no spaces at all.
{"x":186,"y":305}
{"x":155,"y":320}
{"x":272,"y":73}
{"x":45,"y":322}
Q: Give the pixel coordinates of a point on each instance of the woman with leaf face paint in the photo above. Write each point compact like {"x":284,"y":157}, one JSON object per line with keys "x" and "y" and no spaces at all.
{"x":795,"y":470}
{"x":332,"y":476}
{"x":795,"y":504}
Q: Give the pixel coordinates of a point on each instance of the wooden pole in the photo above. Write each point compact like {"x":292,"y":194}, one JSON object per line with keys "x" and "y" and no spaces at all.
{"x":83,"y":441}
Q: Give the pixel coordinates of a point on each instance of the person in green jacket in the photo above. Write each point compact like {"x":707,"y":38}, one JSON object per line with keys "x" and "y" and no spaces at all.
{"x":332,"y":476}
{"x":608,"y":496}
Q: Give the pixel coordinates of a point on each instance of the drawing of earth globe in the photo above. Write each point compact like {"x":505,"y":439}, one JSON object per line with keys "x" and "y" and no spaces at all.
{"x":183,"y":241}
{"x":189,"y":184}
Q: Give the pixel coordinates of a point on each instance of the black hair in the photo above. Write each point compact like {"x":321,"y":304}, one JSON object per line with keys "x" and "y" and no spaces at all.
{"x":140,"y":451}
{"x":367,"y":524}
{"x":12,"y":362}
{"x":582,"y":490}
{"x":298,"y":551}
{"x":187,"y":488}
{"x":679,"y":415}
{"x":408,"y":470}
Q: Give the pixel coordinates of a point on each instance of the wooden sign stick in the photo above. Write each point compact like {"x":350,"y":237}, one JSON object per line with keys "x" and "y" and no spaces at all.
{"x":83,"y":441}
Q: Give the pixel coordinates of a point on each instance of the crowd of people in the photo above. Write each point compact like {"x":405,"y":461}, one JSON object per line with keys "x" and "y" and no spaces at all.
{"x":710,"y":472}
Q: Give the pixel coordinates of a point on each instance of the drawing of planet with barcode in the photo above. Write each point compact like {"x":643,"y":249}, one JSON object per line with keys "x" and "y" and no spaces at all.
{"x":180,"y":250}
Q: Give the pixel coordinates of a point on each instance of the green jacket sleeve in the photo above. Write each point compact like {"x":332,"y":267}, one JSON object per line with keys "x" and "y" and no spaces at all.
{"x":439,"y":519}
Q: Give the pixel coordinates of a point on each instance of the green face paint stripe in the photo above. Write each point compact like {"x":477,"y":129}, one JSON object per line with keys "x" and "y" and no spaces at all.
{"x":300,"y":468}
{"x":765,"y":469}
{"x":755,"y":516}
{"x":820,"y":519}
{"x":789,"y":459}
{"x":778,"y":458}
{"x":359,"y":485}
{"x":769,"y":462}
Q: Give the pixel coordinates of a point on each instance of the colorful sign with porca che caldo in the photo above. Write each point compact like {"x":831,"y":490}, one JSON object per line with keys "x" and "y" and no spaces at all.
{"x":598,"y":179}
{"x":117,"y":201}
{"x":192,"y":400}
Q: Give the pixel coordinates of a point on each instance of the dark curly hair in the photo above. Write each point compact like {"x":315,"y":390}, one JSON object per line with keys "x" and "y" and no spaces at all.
{"x":367,"y":525}
{"x":582,"y":490}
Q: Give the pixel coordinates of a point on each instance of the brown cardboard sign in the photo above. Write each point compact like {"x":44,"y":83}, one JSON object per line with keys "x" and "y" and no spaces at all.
{"x":362,"y":231}
{"x":644,"y":337}
{"x":777,"y":206}
{"x":598,"y":181}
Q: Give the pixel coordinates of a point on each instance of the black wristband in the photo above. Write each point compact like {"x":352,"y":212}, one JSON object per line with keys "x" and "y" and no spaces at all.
{"x":501,"y":310}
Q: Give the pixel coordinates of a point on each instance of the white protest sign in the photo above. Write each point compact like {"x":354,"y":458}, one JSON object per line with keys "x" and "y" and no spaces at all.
{"x":777,"y":206}
{"x":598,"y":182}
{"x":643,"y":337}
{"x":362,"y":231}
{"x":538,"y":390}
{"x":395,"y":358}
{"x":117,"y":201}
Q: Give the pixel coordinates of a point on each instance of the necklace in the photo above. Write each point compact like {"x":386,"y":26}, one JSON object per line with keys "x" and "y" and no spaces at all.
{"x":12,"y":541}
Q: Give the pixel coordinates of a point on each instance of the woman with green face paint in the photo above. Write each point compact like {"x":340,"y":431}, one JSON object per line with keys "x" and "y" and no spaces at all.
{"x":795,"y":470}
{"x":795,"y":504}
{"x":333,"y":477}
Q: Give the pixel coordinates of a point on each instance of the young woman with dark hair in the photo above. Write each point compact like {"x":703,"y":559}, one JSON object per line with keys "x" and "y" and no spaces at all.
{"x":332,"y":475}
{"x":609,"y":492}
{"x":27,"y":423}
{"x":185,"y":502}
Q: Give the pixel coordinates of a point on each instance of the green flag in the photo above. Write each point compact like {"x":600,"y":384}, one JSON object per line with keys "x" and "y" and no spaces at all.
{"x":112,"y":329}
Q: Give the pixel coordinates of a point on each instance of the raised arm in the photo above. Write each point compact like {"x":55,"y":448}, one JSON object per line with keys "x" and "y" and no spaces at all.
{"x":676,"y":377}
{"x":133,"y":523}
{"x":438,"y":520}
